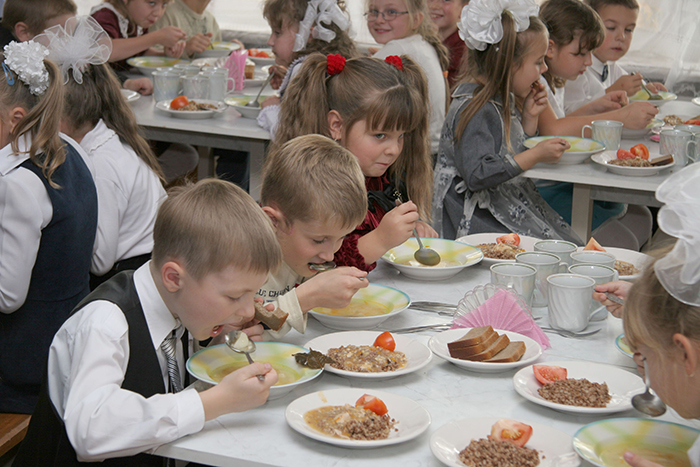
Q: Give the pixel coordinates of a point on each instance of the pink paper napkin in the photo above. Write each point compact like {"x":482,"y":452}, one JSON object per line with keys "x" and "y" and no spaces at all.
{"x":502,"y":311}
{"x":236,"y":67}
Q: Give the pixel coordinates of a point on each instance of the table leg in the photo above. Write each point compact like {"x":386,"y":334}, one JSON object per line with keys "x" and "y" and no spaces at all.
{"x":255,"y":161}
{"x":582,"y":211}
{"x":206,"y":166}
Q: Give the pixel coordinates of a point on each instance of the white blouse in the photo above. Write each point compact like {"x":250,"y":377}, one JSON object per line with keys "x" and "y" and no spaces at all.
{"x":590,"y":86}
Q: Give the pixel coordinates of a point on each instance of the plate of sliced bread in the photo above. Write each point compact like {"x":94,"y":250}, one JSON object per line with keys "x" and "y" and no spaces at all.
{"x":484,"y":349}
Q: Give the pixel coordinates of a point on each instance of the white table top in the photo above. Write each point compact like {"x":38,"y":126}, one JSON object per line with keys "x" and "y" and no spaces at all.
{"x":261,"y":437}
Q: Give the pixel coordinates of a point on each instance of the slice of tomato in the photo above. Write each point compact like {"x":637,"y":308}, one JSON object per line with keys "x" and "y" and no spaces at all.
{"x":179,"y":102}
{"x":548,"y":374}
{"x":624,"y":154}
{"x":386,"y":341}
{"x":692,"y":122}
{"x":510,"y":239}
{"x":640,"y":150}
{"x":511,"y":431}
{"x":372,"y":403}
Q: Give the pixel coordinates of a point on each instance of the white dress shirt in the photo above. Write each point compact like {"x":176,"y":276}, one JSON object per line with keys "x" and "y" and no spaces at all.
{"x":425,"y":56}
{"x":590,"y":85}
{"x":25,"y":210}
{"x":128,"y":196}
{"x":87,"y":363}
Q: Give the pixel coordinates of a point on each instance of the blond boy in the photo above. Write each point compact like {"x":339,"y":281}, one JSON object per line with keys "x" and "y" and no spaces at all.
{"x":214,"y":248}
{"x":314,"y":192}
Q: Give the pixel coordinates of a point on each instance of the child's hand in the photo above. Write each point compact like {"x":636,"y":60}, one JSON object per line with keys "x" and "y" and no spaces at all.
{"x":169,"y":36}
{"x":176,"y":51}
{"x":331,"y":289}
{"x":611,"y":101}
{"x":550,"y":150}
{"x":425,"y":230}
{"x":141,"y":85}
{"x":638,"y":461}
{"x":397,"y":225}
{"x":272,"y":100}
{"x":638,"y":115}
{"x":198,"y":43}
{"x":536,"y":101}
{"x":239,"y":391}
{"x":656,"y":87}
{"x":628,"y":83}
{"x":618,"y":288}
{"x":278,"y":72}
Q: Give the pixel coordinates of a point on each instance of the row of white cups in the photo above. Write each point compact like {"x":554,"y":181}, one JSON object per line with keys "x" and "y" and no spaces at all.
{"x":206,"y":83}
{"x":557,"y":276}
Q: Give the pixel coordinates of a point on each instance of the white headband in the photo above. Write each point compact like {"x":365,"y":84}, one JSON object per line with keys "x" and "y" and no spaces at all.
{"x":480,"y":23}
{"x":317,"y":12}
{"x":679,"y":270}
{"x":81,"y":42}
{"x":26,"y":59}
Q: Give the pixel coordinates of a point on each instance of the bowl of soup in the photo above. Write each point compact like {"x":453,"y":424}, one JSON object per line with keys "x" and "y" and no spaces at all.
{"x":213,"y":363}
{"x":454,"y":257}
{"x":367,"y":309}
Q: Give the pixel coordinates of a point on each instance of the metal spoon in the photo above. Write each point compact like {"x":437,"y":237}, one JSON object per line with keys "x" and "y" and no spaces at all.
{"x":254,"y":102}
{"x":320,"y":267}
{"x":652,"y":96}
{"x":565,"y":333}
{"x":647,"y":402}
{"x":614,"y":298}
{"x":231,"y":340}
{"x":424,"y":255}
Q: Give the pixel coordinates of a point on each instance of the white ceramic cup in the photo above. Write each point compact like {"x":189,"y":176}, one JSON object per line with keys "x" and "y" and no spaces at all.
{"x":601,"y":275}
{"x":593,"y":257}
{"x":546,"y":265}
{"x":166,"y":85}
{"x":195,"y":86}
{"x":606,"y":132}
{"x":561,"y":248}
{"x":681,"y":144}
{"x":520,"y":277}
{"x":186,"y":69}
{"x":218,"y":84}
{"x":570,"y":301}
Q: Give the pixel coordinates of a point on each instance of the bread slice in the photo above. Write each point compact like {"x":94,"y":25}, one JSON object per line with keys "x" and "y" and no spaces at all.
{"x":500,"y":344}
{"x":513,"y":352}
{"x":274,"y":319}
{"x":476,"y":348}
{"x":473,"y":337}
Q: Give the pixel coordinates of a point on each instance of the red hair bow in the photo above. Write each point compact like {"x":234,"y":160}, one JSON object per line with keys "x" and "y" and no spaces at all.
{"x":336,"y":63}
{"x":396,"y":61}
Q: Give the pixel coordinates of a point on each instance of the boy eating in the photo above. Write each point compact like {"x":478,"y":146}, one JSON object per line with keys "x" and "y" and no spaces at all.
{"x":605,"y":75}
{"x":314,"y":192}
{"x":213,"y":249}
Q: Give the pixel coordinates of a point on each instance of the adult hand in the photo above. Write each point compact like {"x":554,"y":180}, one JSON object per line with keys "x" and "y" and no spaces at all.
{"x":619,"y":289}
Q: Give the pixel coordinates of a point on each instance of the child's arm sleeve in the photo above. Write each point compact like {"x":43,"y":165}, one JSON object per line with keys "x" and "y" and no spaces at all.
{"x":349,"y":255}
{"x":289,"y":303}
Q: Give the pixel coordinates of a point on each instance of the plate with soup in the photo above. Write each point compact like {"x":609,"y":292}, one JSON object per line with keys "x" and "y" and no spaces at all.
{"x":212,"y":364}
{"x":454,"y":257}
{"x":367,"y":309}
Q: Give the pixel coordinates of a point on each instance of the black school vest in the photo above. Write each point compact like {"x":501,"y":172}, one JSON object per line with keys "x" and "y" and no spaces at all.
{"x":46,"y":443}
{"x":59,"y":280}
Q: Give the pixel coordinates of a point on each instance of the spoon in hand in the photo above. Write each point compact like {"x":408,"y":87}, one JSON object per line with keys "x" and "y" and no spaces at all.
{"x":320,"y":267}
{"x":255,"y":102}
{"x":238,"y":342}
{"x":647,"y":402}
{"x":424,"y":255}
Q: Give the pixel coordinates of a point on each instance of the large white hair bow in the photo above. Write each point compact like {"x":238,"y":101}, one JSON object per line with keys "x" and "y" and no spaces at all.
{"x":480,"y":23}
{"x":26,"y":59}
{"x":317,"y":12}
{"x":81,"y":42}
{"x":679,"y":270}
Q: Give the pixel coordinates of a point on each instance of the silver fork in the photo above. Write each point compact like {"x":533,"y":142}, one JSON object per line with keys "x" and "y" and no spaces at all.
{"x":433,"y":327}
{"x":570,"y":334}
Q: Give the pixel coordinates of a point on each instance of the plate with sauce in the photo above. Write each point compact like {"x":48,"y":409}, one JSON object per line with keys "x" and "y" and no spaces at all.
{"x":603,"y":443}
{"x":454,"y":257}
{"x":213,"y":363}
{"x":368,"y":308}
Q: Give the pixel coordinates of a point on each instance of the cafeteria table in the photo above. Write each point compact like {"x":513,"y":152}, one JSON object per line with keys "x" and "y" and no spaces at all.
{"x":261,"y":437}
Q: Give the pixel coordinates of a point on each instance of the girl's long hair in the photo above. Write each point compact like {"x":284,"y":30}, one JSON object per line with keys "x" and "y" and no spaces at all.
{"x":493,"y":68}
{"x":367,"y":89}
{"x":428,"y":30}
{"x":99,"y":97}
{"x":42,"y":119}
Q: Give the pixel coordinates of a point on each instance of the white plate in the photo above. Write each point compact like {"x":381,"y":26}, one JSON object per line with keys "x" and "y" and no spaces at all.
{"x":580,"y":150}
{"x":394,"y":299}
{"x":164,"y":106}
{"x":417,"y":354}
{"x":438,"y":344}
{"x":264,"y":61}
{"x":642,"y":436}
{"x":623,"y":346}
{"x":603,"y":159}
{"x":553,"y":445}
{"x":207,"y":360}
{"x":526,"y":243}
{"x":219,"y":49}
{"x":238,"y":102}
{"x":622,"y":385}
{"x":130,"y":95}
{"x":258,"y":78}
{"x":412,"y":418}
{"x":696,"y":100}
{"x":459,"y":255}
{"x":636,"y":134}
{"x":638,"y":259}
{"x":148,"y":64}
{"x":642,"y":96}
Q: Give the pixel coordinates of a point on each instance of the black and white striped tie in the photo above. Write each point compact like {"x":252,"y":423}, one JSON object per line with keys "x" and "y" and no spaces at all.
{"x":168,"y":348}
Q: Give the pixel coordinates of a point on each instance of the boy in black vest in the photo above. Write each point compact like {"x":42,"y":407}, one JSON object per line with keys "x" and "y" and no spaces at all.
{"x":115,"y":366}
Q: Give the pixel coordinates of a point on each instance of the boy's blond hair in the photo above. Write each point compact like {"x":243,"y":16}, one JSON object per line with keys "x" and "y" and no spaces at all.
{"x":312,"y":178}
{"x":212,"y":225}
{"x":34,"y":13}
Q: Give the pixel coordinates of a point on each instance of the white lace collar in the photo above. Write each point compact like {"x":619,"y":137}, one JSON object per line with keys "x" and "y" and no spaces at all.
{"x":123,"y":21}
